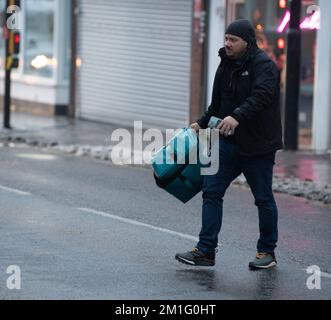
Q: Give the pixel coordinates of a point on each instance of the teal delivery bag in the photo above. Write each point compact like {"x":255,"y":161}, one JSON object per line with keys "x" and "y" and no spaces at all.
{"x":177,"y":168}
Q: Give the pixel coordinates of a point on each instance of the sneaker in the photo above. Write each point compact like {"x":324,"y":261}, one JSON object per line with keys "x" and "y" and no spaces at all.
{"x":197,"y":258}
{"x":263,"y":261}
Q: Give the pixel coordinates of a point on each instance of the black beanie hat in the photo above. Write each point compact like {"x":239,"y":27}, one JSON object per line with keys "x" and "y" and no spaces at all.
{"x":243,"y":29}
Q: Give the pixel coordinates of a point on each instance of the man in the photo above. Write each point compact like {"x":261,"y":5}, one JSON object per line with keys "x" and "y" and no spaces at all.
{"x":246,"y":95}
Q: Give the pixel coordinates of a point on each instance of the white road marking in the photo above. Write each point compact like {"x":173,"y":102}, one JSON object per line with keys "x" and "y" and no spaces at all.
{"x":137,"y":223}
{"x":42,"y":157}
{"x":19,"y":192}
{"x":326,"y":275}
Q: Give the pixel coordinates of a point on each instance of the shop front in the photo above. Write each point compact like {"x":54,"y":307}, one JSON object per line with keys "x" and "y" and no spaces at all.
{"x":134,"y":62}
{"x":41,"y":83}
{"x":271,"y":20}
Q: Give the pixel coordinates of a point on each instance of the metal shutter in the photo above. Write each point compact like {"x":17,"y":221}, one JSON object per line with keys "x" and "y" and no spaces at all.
{"x":135,"y":61}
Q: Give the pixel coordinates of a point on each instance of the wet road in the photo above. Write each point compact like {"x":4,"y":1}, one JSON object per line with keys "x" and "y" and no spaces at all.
{"x":84,"y":229}
{"x":305,"y":166}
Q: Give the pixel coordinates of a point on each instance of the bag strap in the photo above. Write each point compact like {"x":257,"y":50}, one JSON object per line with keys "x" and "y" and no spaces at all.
{"x":178,"y":175}
{"x":162,"y":183}
{"x":190,"y":184}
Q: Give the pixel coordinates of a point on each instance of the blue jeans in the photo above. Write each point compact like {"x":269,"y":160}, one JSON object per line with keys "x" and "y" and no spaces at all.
{"x":258,"y":171}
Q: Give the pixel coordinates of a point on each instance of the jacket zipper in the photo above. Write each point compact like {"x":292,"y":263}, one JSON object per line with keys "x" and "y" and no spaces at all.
{"x":232,"y":74}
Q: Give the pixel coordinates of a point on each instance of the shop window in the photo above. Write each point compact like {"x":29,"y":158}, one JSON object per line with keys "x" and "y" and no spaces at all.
{"x":39,"y":35}
{"x":269,"y":18}
{"x":2,"y":40}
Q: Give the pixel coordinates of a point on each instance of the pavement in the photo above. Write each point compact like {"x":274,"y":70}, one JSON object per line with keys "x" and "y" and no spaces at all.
{"x":303,"y":167}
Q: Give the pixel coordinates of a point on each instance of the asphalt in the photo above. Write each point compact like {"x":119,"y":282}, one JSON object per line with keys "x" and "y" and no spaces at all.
{"x":304,"y":165}
{"x":81,"y":228}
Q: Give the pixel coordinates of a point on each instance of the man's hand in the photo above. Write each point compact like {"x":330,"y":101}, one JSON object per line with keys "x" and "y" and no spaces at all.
{"x":228,"y":126}
{"x":195,"y":127}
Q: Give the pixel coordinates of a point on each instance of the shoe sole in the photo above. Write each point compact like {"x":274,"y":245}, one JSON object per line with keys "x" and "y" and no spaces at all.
{"x":269,"y":266}
{"x":194,"y":264}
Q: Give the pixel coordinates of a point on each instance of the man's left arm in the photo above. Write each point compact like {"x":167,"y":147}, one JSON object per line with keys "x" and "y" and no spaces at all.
{"x":265,"y":82}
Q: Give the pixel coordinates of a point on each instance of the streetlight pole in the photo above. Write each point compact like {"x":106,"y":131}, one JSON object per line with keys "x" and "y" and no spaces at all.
{"x":291,"y":132}
{"x":13,"y":39}
{"x":7,"y":100}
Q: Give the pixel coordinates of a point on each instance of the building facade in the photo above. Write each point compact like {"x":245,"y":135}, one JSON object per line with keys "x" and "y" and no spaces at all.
{"x":134,"y":61}
{"x":322,"y":102}
{"x":154,"y":61}
{"x":271,"y":20}
{"x":160,"y":83}
{"x":41,"y":84}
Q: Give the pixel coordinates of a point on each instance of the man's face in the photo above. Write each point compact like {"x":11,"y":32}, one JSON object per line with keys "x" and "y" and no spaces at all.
{"x":235,"y":47}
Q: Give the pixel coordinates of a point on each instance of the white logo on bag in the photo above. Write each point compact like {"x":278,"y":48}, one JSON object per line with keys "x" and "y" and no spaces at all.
{"x":245,"y":74}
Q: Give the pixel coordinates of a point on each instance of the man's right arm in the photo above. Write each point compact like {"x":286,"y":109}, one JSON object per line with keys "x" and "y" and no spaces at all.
{"x":214,"y":106}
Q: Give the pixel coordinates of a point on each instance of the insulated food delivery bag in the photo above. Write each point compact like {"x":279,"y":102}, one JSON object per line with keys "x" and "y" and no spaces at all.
{"x":177,"y":168}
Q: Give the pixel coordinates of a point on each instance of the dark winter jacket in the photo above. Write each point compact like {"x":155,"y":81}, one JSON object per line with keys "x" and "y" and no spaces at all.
{"x":255,"y":98}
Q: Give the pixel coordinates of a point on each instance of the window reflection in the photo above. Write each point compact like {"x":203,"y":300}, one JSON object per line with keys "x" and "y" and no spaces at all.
{"x":267,"y":16}
{"x":2,"y":40}
{"x":39,"y":35}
